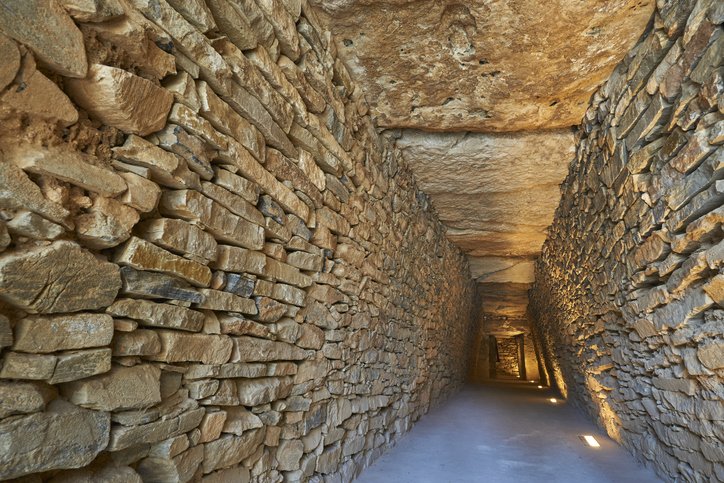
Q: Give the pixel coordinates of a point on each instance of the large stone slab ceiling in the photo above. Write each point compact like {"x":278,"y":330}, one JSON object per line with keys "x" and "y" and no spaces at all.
{"x":482,"y":97}
{"x":483,"y":65}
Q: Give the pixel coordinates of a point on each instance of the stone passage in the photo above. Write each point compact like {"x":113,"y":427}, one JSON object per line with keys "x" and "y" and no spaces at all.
{"x":256,"y":240}
{"x":212,"y":267}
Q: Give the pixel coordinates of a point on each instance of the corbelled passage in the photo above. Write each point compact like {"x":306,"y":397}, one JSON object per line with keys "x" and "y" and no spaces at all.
{"x":254,"y":241}
{"x":629,"y":294}
{"x":211,"y":266}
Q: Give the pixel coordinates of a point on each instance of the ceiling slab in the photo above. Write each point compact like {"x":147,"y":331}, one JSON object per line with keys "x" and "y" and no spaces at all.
{"x":496,"y":192}
{"x":485,"y":65}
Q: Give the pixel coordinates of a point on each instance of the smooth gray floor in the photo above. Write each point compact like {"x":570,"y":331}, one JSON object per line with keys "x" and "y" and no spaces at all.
{"x":504,"y":432}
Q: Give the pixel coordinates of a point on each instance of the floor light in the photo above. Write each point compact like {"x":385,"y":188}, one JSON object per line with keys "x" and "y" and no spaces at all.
{"x":553,"y":400}
{"x":540,"y":387}
{"x":590,"y":441}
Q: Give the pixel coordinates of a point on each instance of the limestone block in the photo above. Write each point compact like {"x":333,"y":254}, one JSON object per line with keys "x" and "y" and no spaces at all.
{"x":240,"y":260}
{"x":218,"y":300}
{"x":236,"y":184}
{"x":24,"y":397}
{"x":234,"y":325}
{"x":230,"y":450}
{"x":70,"y":279}
{"x":196,"y":12}
{"x":251,"y":349}
{"x":122,"y":100}
{"x":64,"y":436}
{"x":70,"y":166}
{"x":211,"y":426}
{"x":305,"y":261}
{"x":288,"y":294}
{"x":158,"y":315}
{"x":239,"y":420}
{"x":310,"y":337}
{"x":179,"y":346}
{"x":711,"y":355}
{"x":253,"y":392}
{"x":42,"y":334}
{"x":122,"y":388}
{"x":71,"y":366}
{"x":107,"y":224}
{"x":45,"y":27}
{"x":309,"y":166}
{"x":18,"y":365}
{"x":269,"y":310}
{"x":142,"y":194}
{"x":18,"y":192}
{"x":310,"y":370}
{"x":36,"y":96}
{"x":280,"y":271}
{"x":233,"y":23}
{"x":289,"y":453}
{"x":328,"y":461}
{"x":142,"y":255}
{"x":180,"y":237}
{"x":5,"y":239}
{"x":138,"y":342}
{"x":29,"y":225}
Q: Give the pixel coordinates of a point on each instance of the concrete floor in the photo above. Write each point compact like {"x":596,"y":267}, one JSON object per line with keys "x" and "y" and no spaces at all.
{"x":504,"y":432}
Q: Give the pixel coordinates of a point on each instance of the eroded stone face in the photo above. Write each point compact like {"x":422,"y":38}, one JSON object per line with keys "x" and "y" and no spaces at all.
{"x":485,"y":65}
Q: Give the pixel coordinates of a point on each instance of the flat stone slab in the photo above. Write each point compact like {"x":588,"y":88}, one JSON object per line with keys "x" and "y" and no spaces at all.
{"x":65,"y":436}
{"x":69,"y":278}
{"x":45,"y":27}
{"x":508,"y":65}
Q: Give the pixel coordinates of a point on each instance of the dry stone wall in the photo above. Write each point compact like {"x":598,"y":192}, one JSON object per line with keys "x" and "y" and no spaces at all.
{"x":211,"y":267}
{"x":629,"y":291}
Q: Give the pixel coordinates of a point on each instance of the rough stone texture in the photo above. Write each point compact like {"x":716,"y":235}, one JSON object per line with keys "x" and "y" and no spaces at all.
{"x":219,"y":274}
{"x":482,"y":66}
{"x":62,"y":437}
{"x":63,"y":332}
{"x":45,"y":27}
{"x":61,"y":277}
{"x":122,"y":388}
{"x":122,"y":100}
{"x":627,"y":298}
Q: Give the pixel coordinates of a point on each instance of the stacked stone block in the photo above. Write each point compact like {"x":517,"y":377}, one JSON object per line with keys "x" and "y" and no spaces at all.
{"x":211,"y":267}
{"x":629,"y":292}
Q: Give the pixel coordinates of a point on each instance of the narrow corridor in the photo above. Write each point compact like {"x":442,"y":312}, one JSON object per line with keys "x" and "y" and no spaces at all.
{"x":505,"y":432}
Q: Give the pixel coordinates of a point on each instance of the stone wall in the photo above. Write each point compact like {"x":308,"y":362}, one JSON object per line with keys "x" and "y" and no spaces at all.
{"x":211,"y":267}
{"x":629,"y":291}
